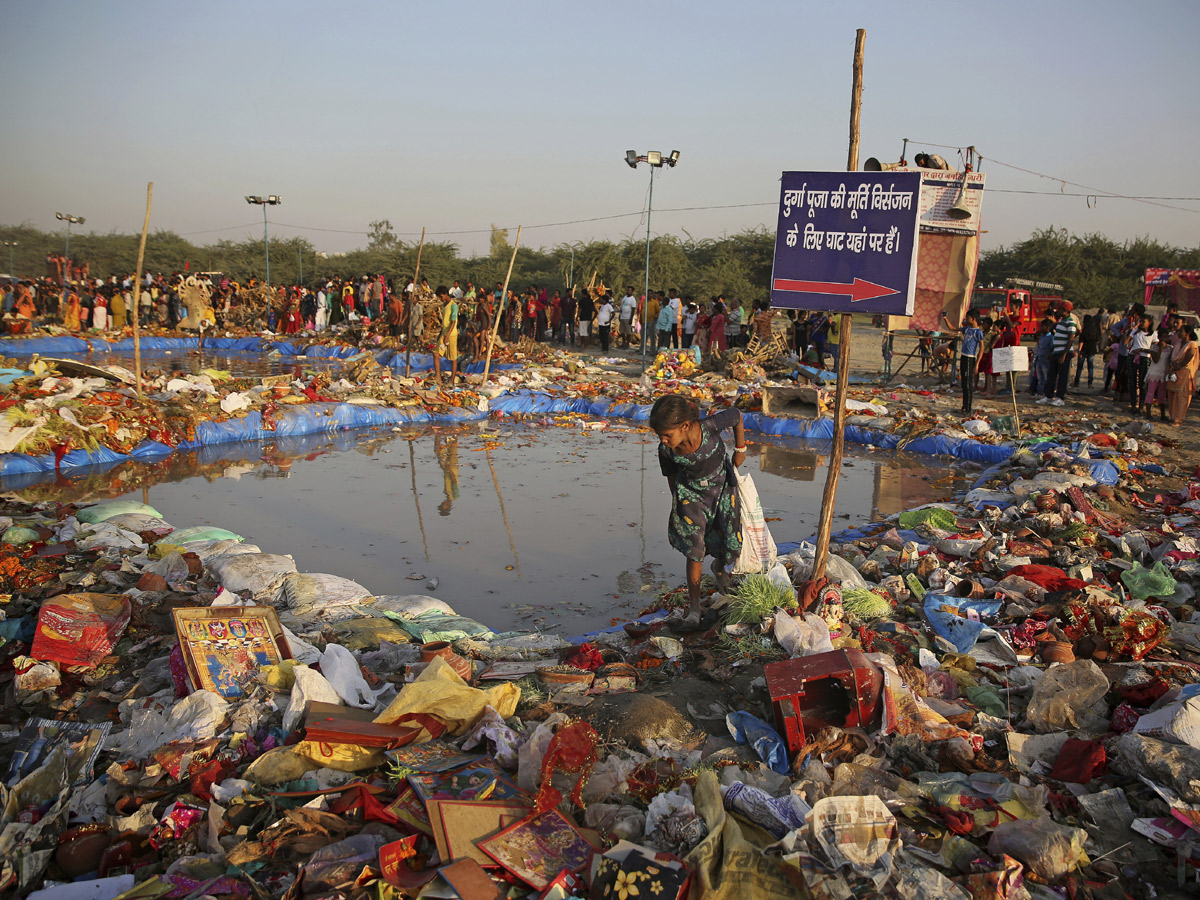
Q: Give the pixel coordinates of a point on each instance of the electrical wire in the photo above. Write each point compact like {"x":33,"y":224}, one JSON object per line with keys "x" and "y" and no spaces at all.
{"x":641,"y":214}
{"x":214,"y":230}
{"x":1092,"y":192}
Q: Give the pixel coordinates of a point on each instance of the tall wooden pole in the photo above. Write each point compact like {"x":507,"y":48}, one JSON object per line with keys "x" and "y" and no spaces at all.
{"x":137,"y":294}
{"x":839,"y":413}
{"x":408,"y":302}
{"x":496,"y":312}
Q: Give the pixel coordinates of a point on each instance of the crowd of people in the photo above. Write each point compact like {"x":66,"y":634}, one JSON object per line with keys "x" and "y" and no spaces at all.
{"x":1145,"y":363}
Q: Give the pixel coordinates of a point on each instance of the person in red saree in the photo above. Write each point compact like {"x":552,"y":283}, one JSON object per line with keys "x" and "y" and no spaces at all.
{"x":292,"y":320}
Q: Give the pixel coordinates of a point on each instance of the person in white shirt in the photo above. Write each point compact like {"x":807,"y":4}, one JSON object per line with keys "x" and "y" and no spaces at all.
{"x":604,"y":317}
{"x":322,"y":318}
{"x":456,"y":292}
{"x":676,"y":305}
{"x":628,"y":311}
{"x":690,"y":312}
{"x":1142,"y":344}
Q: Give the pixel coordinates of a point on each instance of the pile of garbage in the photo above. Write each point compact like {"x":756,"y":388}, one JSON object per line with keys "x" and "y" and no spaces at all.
{"x":997,"y":697}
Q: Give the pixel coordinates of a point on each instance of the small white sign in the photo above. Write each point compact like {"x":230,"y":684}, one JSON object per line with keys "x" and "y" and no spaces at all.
{"x":1010,"y":359}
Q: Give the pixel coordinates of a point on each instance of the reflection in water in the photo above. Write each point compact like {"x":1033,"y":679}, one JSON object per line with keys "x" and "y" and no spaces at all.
{"x":445,"y":448}
{"x":503,"y":513}
{"x":899,"y":487}
{"x":902,"y":480}
{"x":412,"y":466}
{"x":798,"y":465}
{"x":594,"y":543}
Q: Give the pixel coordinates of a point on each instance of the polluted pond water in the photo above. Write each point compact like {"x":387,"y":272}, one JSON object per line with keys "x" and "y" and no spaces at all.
{"x":558,"y":526}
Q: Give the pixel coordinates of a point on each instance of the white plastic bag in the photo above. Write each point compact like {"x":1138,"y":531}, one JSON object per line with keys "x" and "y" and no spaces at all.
{"x":310,"y":685}
{"x":252,"y":572}
{"x":758,"y":547}
{"x":801,"y":636}
{"x":341,"y":670}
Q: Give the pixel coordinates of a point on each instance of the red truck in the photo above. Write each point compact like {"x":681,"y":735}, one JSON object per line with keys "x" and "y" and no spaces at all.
{"x":1017,"y":300}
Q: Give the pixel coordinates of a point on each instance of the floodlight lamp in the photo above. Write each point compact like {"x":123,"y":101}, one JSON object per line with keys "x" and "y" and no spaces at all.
{"x":273,"y":200}
{"x":631,"y":158}
{"x":78,"y":220}
{"x":250,"y":198}
{"x":654,"y":157}
{"x":59,"y":216}
{"x":673,"y":159}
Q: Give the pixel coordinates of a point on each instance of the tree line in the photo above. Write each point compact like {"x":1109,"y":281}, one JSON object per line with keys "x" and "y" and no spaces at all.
{"x":1094,"y":270}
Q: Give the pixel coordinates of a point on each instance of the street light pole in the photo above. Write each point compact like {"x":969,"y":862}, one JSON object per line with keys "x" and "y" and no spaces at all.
{"x":10,"y":245}
{"x":69,"y":219}
{"x":655,"y":160}
{"x":646,"y":291}
{"x":264,"y":202}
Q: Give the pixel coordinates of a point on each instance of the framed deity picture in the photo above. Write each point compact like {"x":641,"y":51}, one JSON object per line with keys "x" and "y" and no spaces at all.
{"x":224,"y":646}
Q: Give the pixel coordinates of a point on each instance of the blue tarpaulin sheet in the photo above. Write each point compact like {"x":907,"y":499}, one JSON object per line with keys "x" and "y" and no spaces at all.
{"x":314,"y":418}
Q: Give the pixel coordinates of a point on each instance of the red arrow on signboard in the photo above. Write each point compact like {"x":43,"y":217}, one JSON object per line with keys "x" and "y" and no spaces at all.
{"x":859,"y":290}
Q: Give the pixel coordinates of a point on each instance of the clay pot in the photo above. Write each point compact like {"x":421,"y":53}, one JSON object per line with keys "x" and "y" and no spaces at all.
{"x":80,"y":849}
{"x":639,"y":631}
{"x":459,"y":664}
{"x":1056,"y":652}
{"x":970,"y":589}
{"x":1046,"y":501}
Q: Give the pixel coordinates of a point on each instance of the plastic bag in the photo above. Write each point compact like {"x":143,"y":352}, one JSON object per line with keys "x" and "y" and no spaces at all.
{"x":341,"y":670}
{"x":437,"y":626}
{"x":197,"y":717}
{"x":100,"y":512}
{"x":801,"y":636}
{"x":1146,"y":583}
{"x":251,"y":572}
{"x":440,"y":692}
{"x":80,"y":630}
{"x":758,"y":547}
{"x":625,"y":823}
{"x":1049,"y":849}
{"x":1069,"y":697}
{"x":340,"y":864}
{"x":608,"y":778}
{"x":410,"y":605}
{"x":957,"y":619}
{"x":202,"y":533}
{"x":747,"y":728}
{"x":207,"y":550}
{"x":310,"y":685}
{"x":304,"y":592}
{"x":172,"y":567}
{"x":843,"y":572}
{"x":529,"y":757}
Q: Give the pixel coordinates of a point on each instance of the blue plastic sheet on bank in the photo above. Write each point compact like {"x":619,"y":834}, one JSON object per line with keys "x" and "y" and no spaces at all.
{"x":311,"y":418}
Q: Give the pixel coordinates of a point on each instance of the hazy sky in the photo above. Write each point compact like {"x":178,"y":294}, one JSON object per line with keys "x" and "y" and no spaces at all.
{"x":457,"y":115}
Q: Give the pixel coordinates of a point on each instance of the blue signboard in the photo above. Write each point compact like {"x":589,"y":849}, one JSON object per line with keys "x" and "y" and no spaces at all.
{"x":847,"y":242}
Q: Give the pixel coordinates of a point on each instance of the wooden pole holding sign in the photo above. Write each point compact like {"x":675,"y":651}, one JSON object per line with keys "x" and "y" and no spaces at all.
{"x":825,"y":526}
{"x":1008,"y":361}
{"x":137,"y":294}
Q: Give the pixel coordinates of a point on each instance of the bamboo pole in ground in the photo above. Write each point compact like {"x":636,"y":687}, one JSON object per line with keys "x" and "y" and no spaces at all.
{"x":408,"y":302}
{"x":496,"y":312}
{"x":825,"y":525}
{"x":137,"y":294}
